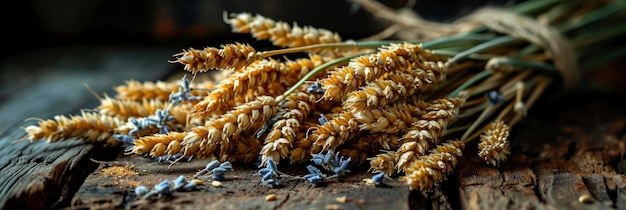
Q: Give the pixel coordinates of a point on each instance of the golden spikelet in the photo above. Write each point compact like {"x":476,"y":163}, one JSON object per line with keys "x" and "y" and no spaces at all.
{"x":222,"y":98}
{"x":345,"y":79}
{"x":389,"y":119}
{"x":230,"y":56}
{"x":336,"y":131}
{"x":123,"y":109}
{"x":138,"y":91}
{"x":427,"y":130}
{"x":367,"y":144}
{"x":494,"y":145}
{"x":88,"y":127}
{"x":280,"y":33}
{"x":282,"y":134}
{"x":344,"y":125}
{"x":159,"y":90}
{"x":396,"y":85}
{"x":294,"y":70}
{"x":433,"y":168}
{"x":384,"y":162}
{"x":303,"y":147}
{"x":158,"y":145}
{"x":128,"y":126}
{"x":203,"y":140}
{"x":388,"y":141}
{"x":246,"y":150}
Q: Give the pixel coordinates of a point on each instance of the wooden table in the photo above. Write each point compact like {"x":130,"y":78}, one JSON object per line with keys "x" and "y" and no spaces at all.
{"x":571,"y":145}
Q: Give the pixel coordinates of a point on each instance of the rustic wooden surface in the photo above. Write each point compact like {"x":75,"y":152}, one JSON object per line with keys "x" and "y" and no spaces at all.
{"x":47,"y":82}
{"x":569,"y":146}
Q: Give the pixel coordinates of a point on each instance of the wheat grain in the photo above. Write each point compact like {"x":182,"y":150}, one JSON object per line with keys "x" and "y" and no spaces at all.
{"x":292,"y":111}
{"x":222,"y":98}
{"x":345,"y":79}
{"x":393,"y":118}
{"x":203,"y":140}
{"x":494,"y":145}
{"x":384,"y":162}
{"x":433,"y":168}
{"x":260,"y":78}
{"x":427,"y":130}
{"x":138,"y":91}
{"x":124,"y":109}
{"x":280,"y":33}
{"x":159,"y":90}
{"x":229,"y":56}
{"x":158,"y":145}
{"x":296,"y":69}
{"x":396,"y":85}
{"x":366,"y":144}
{"x":336,"y":131}
{"x":88,"y":127}
{"x":303,"y":146}
{"x":246,"y":148}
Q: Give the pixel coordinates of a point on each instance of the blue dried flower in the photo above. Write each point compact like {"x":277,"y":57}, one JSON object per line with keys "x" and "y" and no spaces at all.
{"x":184,"y":92}
{"x":190,"y":185}
{"x":315,"y":88}
{"x":179,"y":182}
{"x":177,"y":157}
{"x":315,"y":175}
{"x":219,"y":172}
{"x":209,"y":166}
{"x":141,"y":190}
{"x":494,"y":97}
{"x":341,"y":169}
{"x":271,"y":176}
{"x":163,"y":187}
{"x":125,"y":139}
{"x":378,"y":178}
{"x":333,"y":162}
{"x":322,"y":120}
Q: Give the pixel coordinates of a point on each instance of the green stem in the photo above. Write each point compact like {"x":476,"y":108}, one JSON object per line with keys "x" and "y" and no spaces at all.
{"x":319,"y":69}
{"x":533,"y":6}
{"x":592,"y":17}
{"x":604,"y":59}
{"x":452,"y":41}
{"x":591,"y":37}
{"x":456,"y":40}
{"x":497,"y":42}
{"x":480,"y":76}
{"x":521,"y":64}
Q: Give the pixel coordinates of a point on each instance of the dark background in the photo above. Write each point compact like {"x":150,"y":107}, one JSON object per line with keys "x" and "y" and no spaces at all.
{"x":52,"y":49}
{"x":33,"y":24}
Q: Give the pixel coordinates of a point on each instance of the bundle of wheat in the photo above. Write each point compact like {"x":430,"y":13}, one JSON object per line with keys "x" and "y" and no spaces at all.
{"x":390,"y":101}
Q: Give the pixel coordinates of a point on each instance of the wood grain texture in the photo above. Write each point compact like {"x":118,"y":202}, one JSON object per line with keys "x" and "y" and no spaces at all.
{"x":559,"y":153}
{"x":556,"y":159}
{"x":52,"y":81}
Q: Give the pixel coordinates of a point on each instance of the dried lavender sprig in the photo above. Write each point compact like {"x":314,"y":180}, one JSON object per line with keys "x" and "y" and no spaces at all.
{"x":333,"y":162}
{"x":271,"y":176}
{"x":216,"y":169}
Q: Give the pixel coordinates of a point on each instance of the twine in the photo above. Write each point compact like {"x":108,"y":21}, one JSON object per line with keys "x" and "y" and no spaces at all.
{"x":500,"y":20}
{"x":557,"y":47}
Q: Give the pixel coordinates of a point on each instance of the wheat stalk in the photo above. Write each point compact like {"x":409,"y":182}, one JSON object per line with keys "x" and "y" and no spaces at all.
{"x":387,"y":101}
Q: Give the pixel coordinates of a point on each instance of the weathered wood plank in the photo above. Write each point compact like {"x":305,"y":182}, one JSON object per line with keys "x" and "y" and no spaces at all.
{"x":619,"y":187}
{"x":553,"y":162}
{"x":598,"y":188}
{"x":241,"y":190}
{"x":39,"y":175}
{"x":556,"y":159}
